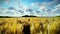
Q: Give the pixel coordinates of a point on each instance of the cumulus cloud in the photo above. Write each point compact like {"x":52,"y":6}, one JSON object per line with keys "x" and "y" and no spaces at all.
{"x":36,"y":8}
{"x":46,"y":10}
{"x":56,"y":10}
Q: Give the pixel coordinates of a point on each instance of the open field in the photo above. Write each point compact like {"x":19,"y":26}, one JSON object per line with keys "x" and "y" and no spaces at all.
{"x":37,"y":25}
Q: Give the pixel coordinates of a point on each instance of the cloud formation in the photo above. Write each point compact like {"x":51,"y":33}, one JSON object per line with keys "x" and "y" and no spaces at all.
{"x":51,"y":8}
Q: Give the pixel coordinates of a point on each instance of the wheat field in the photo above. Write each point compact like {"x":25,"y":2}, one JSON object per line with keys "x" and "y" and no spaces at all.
{"x":15,"y":25}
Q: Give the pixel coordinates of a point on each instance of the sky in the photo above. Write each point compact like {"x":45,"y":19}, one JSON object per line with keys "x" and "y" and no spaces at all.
{"x":29,"y":7}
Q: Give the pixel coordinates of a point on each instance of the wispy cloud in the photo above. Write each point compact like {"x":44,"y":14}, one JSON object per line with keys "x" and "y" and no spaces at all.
{"x":35,"y":8}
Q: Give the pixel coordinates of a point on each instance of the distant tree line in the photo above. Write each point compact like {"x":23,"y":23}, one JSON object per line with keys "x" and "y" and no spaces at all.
{"x":29,"y":16}
{"x":5,"y":17}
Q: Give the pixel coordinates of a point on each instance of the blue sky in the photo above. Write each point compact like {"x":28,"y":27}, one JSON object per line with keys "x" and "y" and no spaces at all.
{"x":29,"y":7}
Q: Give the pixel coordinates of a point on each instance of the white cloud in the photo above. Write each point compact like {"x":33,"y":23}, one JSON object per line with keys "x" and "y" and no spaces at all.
{"x":45,"y":9}
{"x":53,"y":2}
{"x":40,"y":7}
{"x":56,"y":10}
{"x":58,"y":6}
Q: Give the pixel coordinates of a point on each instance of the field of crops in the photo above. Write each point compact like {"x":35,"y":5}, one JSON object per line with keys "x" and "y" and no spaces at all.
{"x":37,"y":25}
